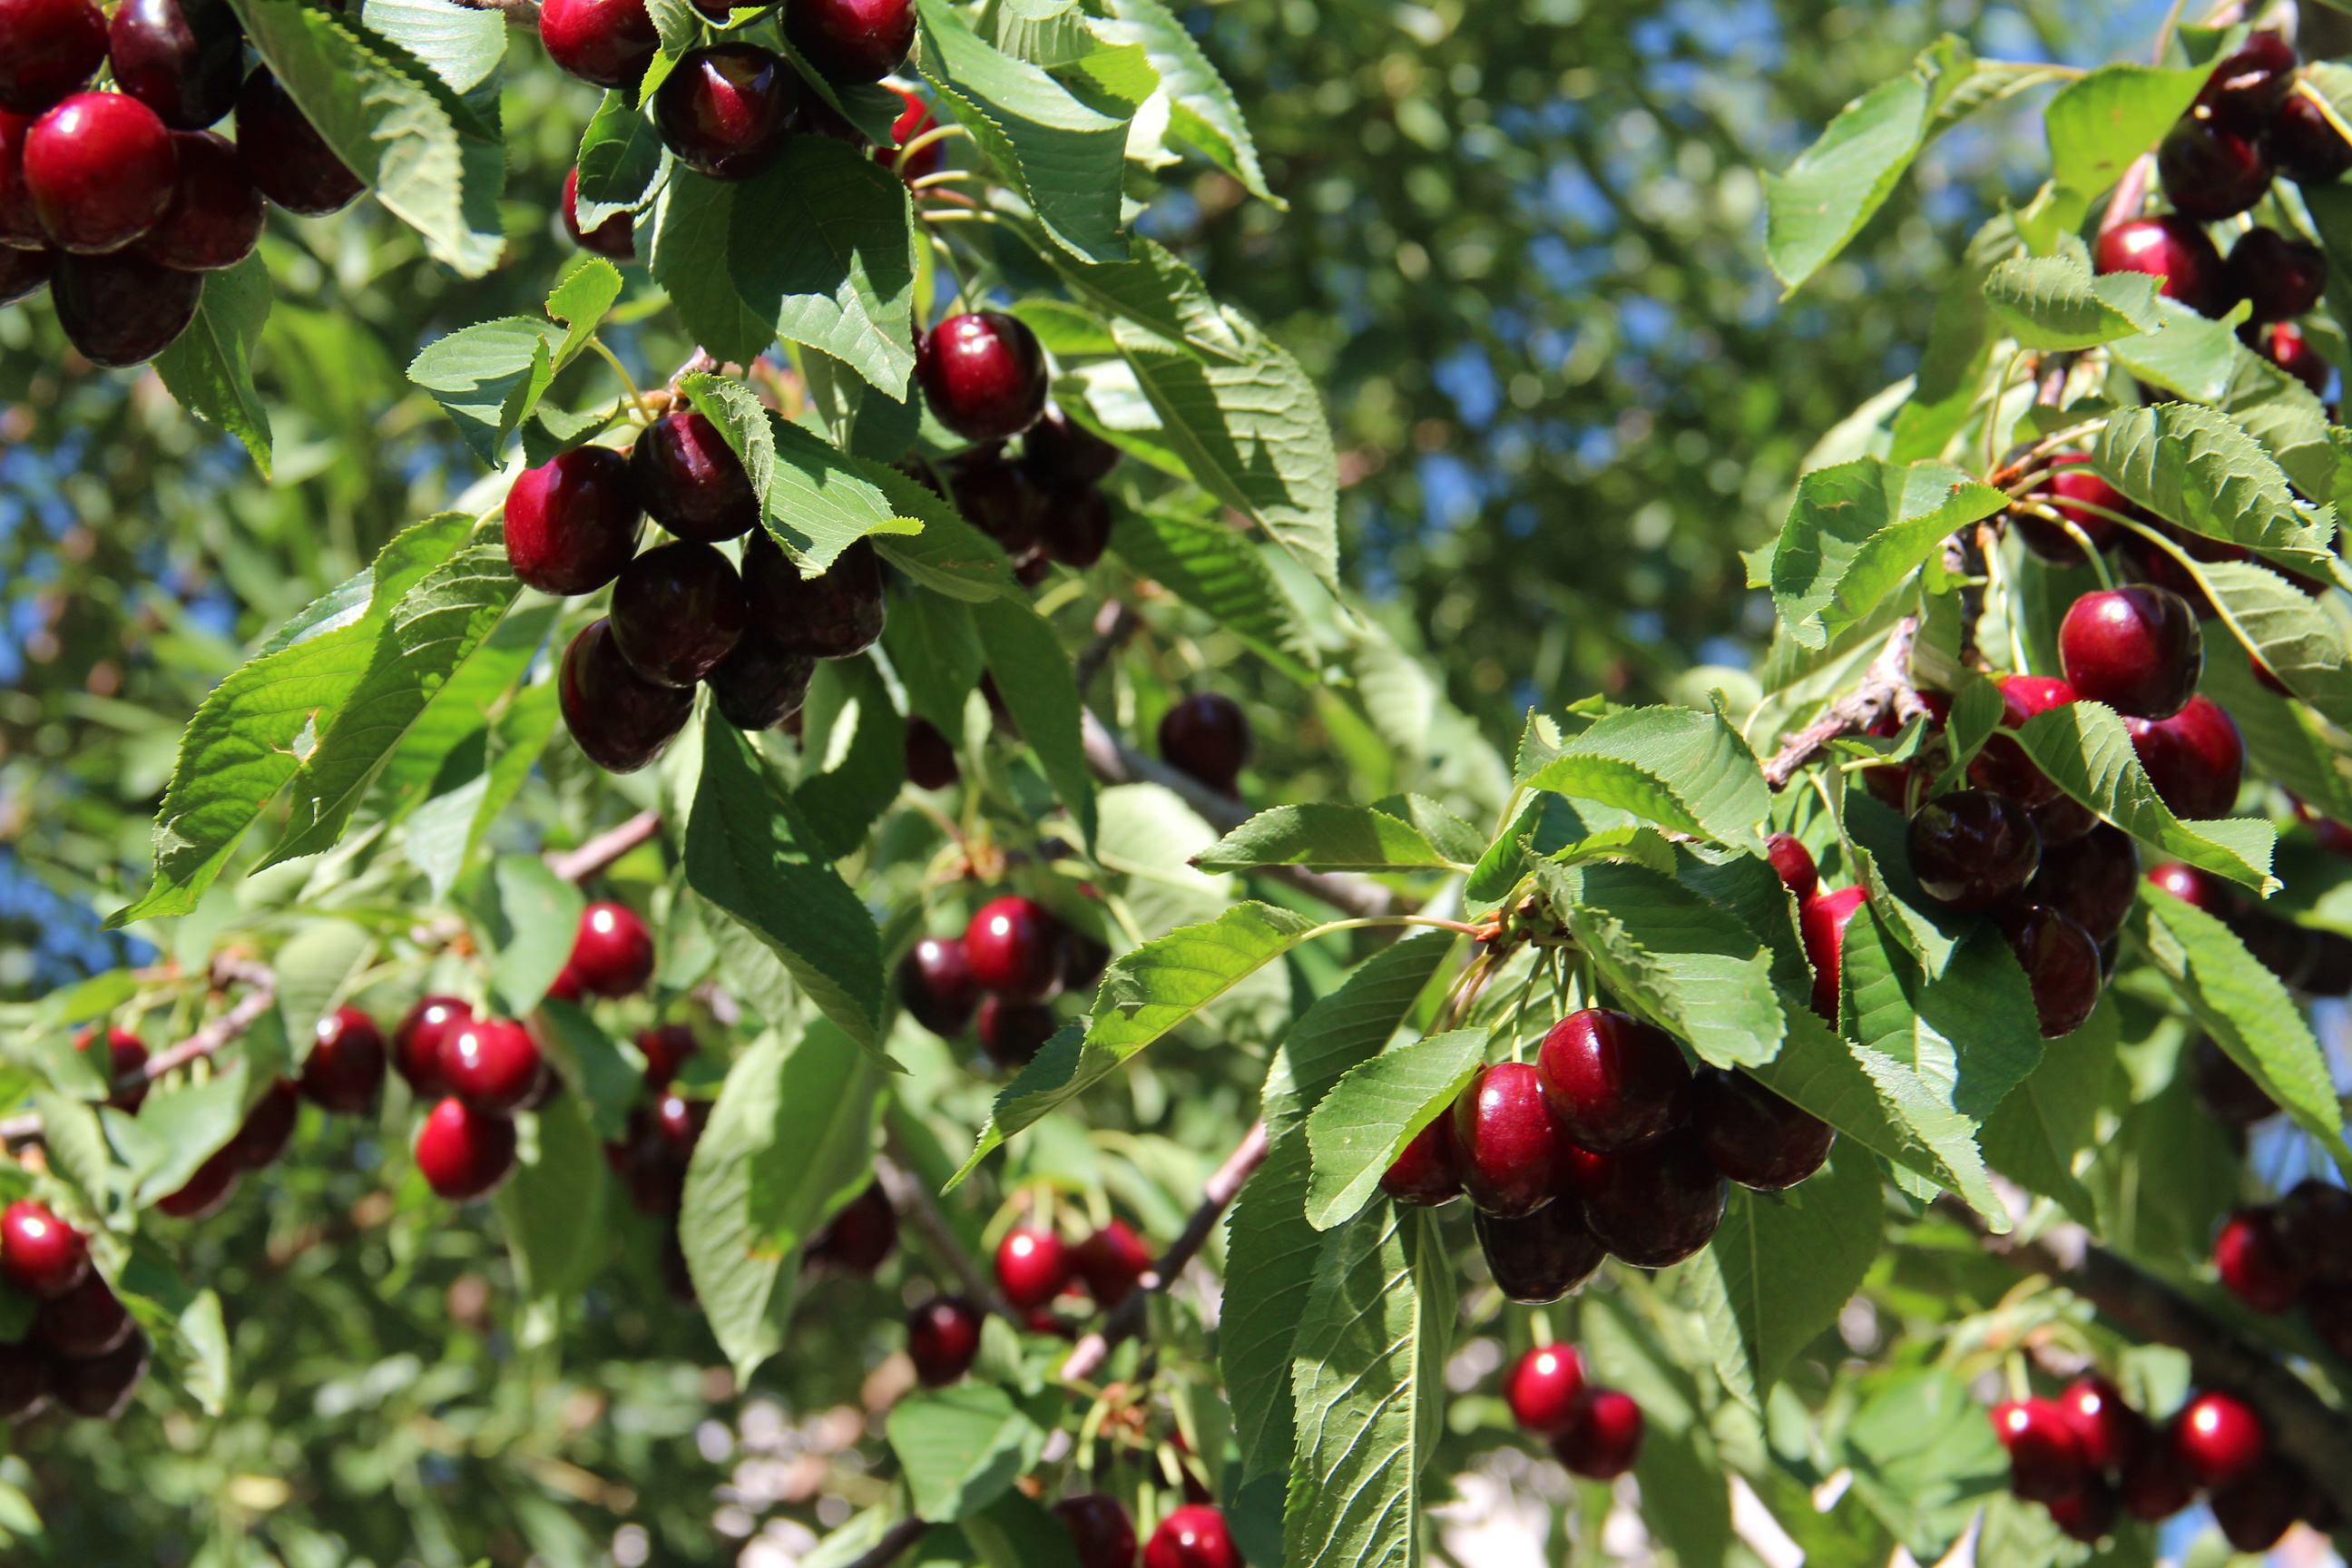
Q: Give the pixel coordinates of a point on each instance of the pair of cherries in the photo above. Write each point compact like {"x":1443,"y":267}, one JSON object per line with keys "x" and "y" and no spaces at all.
{"x":1046,"y":505}
{"x":1015,"y":957}
{"x":1034,"y":1267}
{"x":1192,"y":1536}
{"x":1594,"y":1431}
{"x":2298,"y":1249}
{"x":83,"y":1349}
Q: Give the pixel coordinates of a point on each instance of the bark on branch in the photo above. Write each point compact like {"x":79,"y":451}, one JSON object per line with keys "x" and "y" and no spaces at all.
{"x":600,"y":852}
{"x":1886,"y":687}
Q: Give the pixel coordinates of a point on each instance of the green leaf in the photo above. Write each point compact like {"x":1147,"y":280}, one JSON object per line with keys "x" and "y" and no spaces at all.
{"x":1686,"y":769}
{"x":623,"y":165}
{"x":841,"y":803}
{"x":1215,"y":569}
{"x":1549,"y":826}
{"x":1856,"y":531}
{"x":2204,"y":361}
{"x":203,"y":1339}
{"x":1158,"y":293}
{"x":1327,"y":835}
{"x":553,"y":1210}
{"x":961,"y":1449}
{"x":821,"y":1155}
{"x":209,"y":366}
{"x":461,"y":45}
{"x":609,"y":1084}
{"x":1202,"y":111}
{"x":2055,"y":302}
{"x":2282,"y":626}
{"x":2282,"y":742}
{"x":1374,"y":1111}
{"x":2034,"y":1134}
{"x":1977,"y":710}
{"x":2098,"y":123}
{"x":817,"y":501}
{"x":175,"y":1132}
{"x":1014,"y":1533}
{"x":489,"y":377}
{"x":935,"y":651}
{"x":745,"y":1287}
{"x":443,"y":834}
{"x":686,"y":248}
{"x":579,"y":301}
{"x":950,"y":556}
{"x":822,"y":245}
{"x":863,"y":422}
{"x":539,"y":913}
{"x":314,"y":968}
{"x":1035,"y":678}
{"x":1685,"y":963}
{"x":1971,"y":1033}
{"x":750,"y":851}
{"x":1875,"y":842}
{"x":2200,"y":469}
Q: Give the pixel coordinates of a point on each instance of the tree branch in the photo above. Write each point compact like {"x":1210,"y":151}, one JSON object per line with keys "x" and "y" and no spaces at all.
{"x":1114,"y":624}
{"x":1886,"y":685}
{"x":894,"y":1542}
{"x":600,"y":852}
{"x":914,"y":1200}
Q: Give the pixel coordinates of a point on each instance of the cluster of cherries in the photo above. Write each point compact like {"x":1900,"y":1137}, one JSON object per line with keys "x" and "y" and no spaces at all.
{"x":1034,"y":1267}
{"x":2251,"y":120}
{"x":2298,"y":1249}
{"x":2317,"y":962}
{"x":1607,"y":1144}
{"x":1192,"y":1536}
{"x":1015,"y":957}
{"x":2087,"y":1453}
{"x":1595,"y":1432}
{"x":121,"y":201}
{"x":83,"y":1350}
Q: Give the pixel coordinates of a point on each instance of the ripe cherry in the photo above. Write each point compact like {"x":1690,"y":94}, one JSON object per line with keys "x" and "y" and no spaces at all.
{"x":1195,"y":1536}
{"x":1513,"y":1152}
{"x":2306,"y":146}
{"x":1104,"y":1534}
{"x":2316,"y":1221}
{"x":464,"y":1152}
{"x":100,"y":1387}
{"x":1753,"y":1136}
{"x":182,"y":59}
{"x":613,"y":955}
{"x":1014,"y":948}
{"x":2259,"y":1507}
{"x":930,"y":756}
{"x":727,"y":109}
{"x":621,"y":720}
{"x":942,"y":1339}
{"x":983,"y":375}
{"x":1112,"y":1261}
{"x":860,"y":1236}
{"x":2153,"y":1485}
{"x":615,"y":238}
{"x":571,"y":522}
{"x":1972,"y":849}
{"x":914,"y":121}
{"x":24,"y":273}
{"x":267,"y":1127}
{"x":2218,"y":1438}
{"x":1083,"y":961}
{"x":2171,"y":248}
{"x":2138,"y":649}
{"x":2071,"y":490}
{"x":1823,"y":921}
{"x":2283,"y":344}
{"x":1605,"y":1440}
{"x":1545,"y":1389}
{"x":122,"y":309}
{"x":124,"y":1056}
{"x":2061,"y":962}
{"x":53,"y":48}
{"x":2109,"y":1430}
{"x":1207,"y":736}
{"x":666,"y":1050}
{"x":2228,"y":1093}
{"x":1060,"y":453}
{"x":2088,"y":1514}
{"x":284,"y":153}
{"x":344,"y":1072}
{"x":2063,"y":821}
{"x":2198,"y":888}
{"x":1429,"y":1170}
{"x":2328,"y":1304}
{"x":2282,"y":278}
{"x":760,"y":686}
{"x":416,"y":1043}
{"x":87,"y":1320}
{"x":23,"y":1381}
{"x":996,"y":496}
{"x":1032,"y":1267}
{"x":1541,"y":1256}
{"x":2195,"y":759}
{"x":835,"y":614}
{"x":690,"y":479}
{"x":2210,"y":171}
{"x":678,"y":609}
{"x":1655,"y":1205}
{"x":40,"y":1254}
{"x":2093,"y":880}
{"x":2046,"y":1461}
{"x":216,"y":215}
{"x":2247,"y":86}
{"x":606,"y":43}
{"x":1075,"y":526}
{"x":1012,"y":1033}
{"x":851,"y":40}
{"x":2002,"y":766}
{"x":2251,"y":1256}
{"x":491,"y":1064}
{"x":1613,"y":1082}
{"x":1794,"y":865}
{"x":100,"y":169}
{"x":935,"y":985}
{"x":205,"y":1191}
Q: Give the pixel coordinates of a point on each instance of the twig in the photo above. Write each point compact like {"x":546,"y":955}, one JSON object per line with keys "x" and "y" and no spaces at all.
{"x":1887,"y":684}
{"x":899,"y":1537}
{"x":1127,"y":1320}
{"x":1114,"y":624}
{"x":601,"y":851}
{"x":914,"y":1200}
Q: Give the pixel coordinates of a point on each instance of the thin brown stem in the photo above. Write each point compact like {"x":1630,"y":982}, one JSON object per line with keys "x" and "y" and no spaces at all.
{"x":600,"y":852}
{"x":1885,"y":686}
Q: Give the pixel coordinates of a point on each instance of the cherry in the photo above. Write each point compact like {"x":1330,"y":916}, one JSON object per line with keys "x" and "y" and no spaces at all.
{"x":284,"y":155}
{"x":860,"y":1236}
{"x":621,"y":720}
{"x":998,"y":497}
{"x":2228,"y":1092}
{"x":2307,"y":148}
{"x":182,"y":59}
{"x":416,"y":1043}
{"x":491,"y":1064}
{"x":571,"y":522}
{"x":24,"y":1381}
{"x":1032,"y":1267}
{"x":2218,"y":1438}
{"x":1541,"y":1256}
{"x":2195,"y":759}
{"x":2260,"y":1506}
{"x":40,"y":1254}
{"x":2283,"y":344}
{"x":268,"y":1128}
{"x":677,"y":1275}
{"x":54,"y":47}
{"x":122,"y":309}
{"x":930,"y":757}
{"x":983,"y":375}
{"x":464,"y":1152}
{"x":216,"y":215}
{"x":87,"y":1320}
{"x":935,"y":985}
{"x":2316,"y":1221}
{"x":851,"y":40}
{"x":2093,"y":879}
{"x":1823,"y":921}
{"x":126,"y":1054}
{"x":1076,"y":526}
{"x":24,"y":273}
{"x":1014,"y":948}
{"x":1207,"y":737}
{"x":2198,"y":888}
{"x":1513,"y":1152}
{"x":2171,"y":248}
{"x":1060,"y":453}
{"x":1612,"y":1081}
{"x":2136,"y":649}
{"x":1655,"y":1205}
{"x":942,"y":1339}
{"x":2060,"y":961}
{"x":1195,"y":1536}
{"x":100,"y":169}
{"x":2153,"y":1484}
{"x":1972,"y":849}
{"x":1112,"y":1261}
{"x":666,"y":1048}
{"x":913,"y":120}
{"x":2071,"y":490}
{"x":2063,"y":821}
{"x":2109,"y":1430}
{"x":690,"y":479}
{"x":2254,"y":1259}
{"x":1545,"y":1389}
{"x":1605,"y":1440}
{"x":344,"y":1072}
{"x":2283,"y":277}
{"x":606,"y":43}
{"x":2046,"y":1461}
{"x":615,"y":238}
{"x":2002,"y":766}
{"x":2210,"y":171}
{"x":1753,"y":1136}
{"x":678,"y":609}
{"x":2088,"y":1514}
{"x":2248,"y":86}
{"x":1100,"y":1527}
{"x":102,"y":1387}
{"x":1083,"y":961}
{"x":836,"y":615}
{"x":1012,"y":1033}
{"x":1429,"y":1170}
{"x":1794,"y":865}
{"x":760,"y":686}
{"x":613,"y":954}
{"x":727,"y":109}
{"x":20,"y":226}
{"x":205,"y":1191}
{"x":2328,"y":1303}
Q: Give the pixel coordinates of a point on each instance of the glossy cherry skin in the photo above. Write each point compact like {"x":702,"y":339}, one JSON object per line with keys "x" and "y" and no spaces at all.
{"x":2196,"y":759}
{"x":2046,"y":1461}
{"x":284,"y":155}
{"x":2136,"y":648}
{"x":2089,"y":1513}
{"x":606,"y":43}
{"x":2063,"y":821}
{"x":2315,"y":1222}
{"x":1655,"y":1205}
{"x":1099,"y":1526}
{"x":416,"y":1043}
{"x":125,"y":1055}
{"x":100,"y":169}
{"x":87,"y":1320}
{"x":2198,"y":888}
{"x":1794,"y":863}
{"x":727,"y":110}
{"x":344,"y":1072}
{"x":2228,"y":1093}
{"x":2217,"y":1438}
{"x":942,"y":1339}
{"x":835,"y":614}
{"x":1429,"y":1170}
{"x":760,"y":686}
{"x":1195,"y":1536}
{"x":1613,"y":1082}
{"x":40,"y":1254}
{"x":23,"y":1381}
{"x":216,"y":215}
{"x":1541,"y":1256}
{"x":1753,"y":1136}
{"x":2002,"y":766}
{"x":615,"y":238}
{"x":182,"y":59}
{"x":678,"y":609}
{"x":983,"y":375}
{"x":2071,"y":490}
{"x":621,"y":720}
{"x":1061,"y":453}
{"x":1605,"y":1440}
{"x":53,"y":48}
{"x":1032,"y":1267}
{"x":1823,"y":921}
{"x":1014,"y":948}
{"x":1207,"y":736}
{"x":851,"y":40}
{"x":205,"y":1191}
{"x":913,"y":120}
{"x":20,"y":226}
{"x":2092,"y":880}
{"x":1546,"y":1389}
{"x":2109,"y":1430}
{"x":268,"y":1127}
{"x":1012,"y":1033}
{"x":491,"y":1064}
{"x":1075,"y":526}
{"x":998,"y":497}
{"x":571,"y":522}
{"x":100,"y":1387}
{"x":1513,"y":1152}
{"x":930,"y":756}
{"x":2282,"y":278}
{"x":935,"y":985}
{"x":2211,"y":172}
{"x":122,"y":309}
{"x":690,"y":479}
{"x":2283,"y":344}
{"x":1112,"y":1262}
{"x":2247,"y":86}
{"x":860,"y":1236}
{"x":2252,"y":1259}
{"x":462,"y":1153}
{"x":1972,"y":849}
{"x":2305,"y":147}
{"x":2060,"y":963}
{"x":613,"y":955}
{"x":666,"y":1050}
{"x":2173,"y":247}
{"x":24,"y":273}
{"x":2259,"y":1507}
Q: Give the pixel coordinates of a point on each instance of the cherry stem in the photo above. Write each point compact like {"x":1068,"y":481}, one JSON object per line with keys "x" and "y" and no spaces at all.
{"x":1997,"y":582}
{"x":2081,"y":540}
{"x":2026,"y":478}
{"x":946,"y":177}
{"x":637,"y":400}
{"x":601,"y":851}
{"x":937,"y":134}
{"x":2164,"y":31}
{"x":1992,"y":410}
{"x":2326,"y":110}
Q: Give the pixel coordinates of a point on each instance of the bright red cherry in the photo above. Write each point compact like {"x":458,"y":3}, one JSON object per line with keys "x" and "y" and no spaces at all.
{"x":727,"y":110}
{"x":1605,"y":1441}
{"x":1972,"y":849}
{"x":1014,"y":948}
{"x":24,"y":273}
{"x":1823,"y":921}
{"x":1513,"y":1151}
{"x":2316,"y":1221}
{"x":2259,"y":1507}
{"x":284,"y":153}
{"x":2093,"y":879}
{"x":1429,"y":1171}
{"x":344,"y":1072}
{"x":1112,"y":1261}
{"x":2060,"y":963}
{"x":666,"y":1050}
{"x":1794,"y":865}
{"x":2195,"y":759}
{"x":2109,"y":1430}
{"x":122,"y":309}
{"x":615,"y":238}
{"x":2071,"y":490}
{"x":53,"y":48}
{"x":2247,"y":86}
{"x":851,"y":40}
{"x":2283,"y":344}
{"x":1545,"y":1389}
{"x":1195,"y":1536}
{"x":2306,"y":147}
{"x":2153,"y":1484}
{"x":464,"y":1152}
{"x":621,"y":720}
{"x":1012,"y":1033}
{"x":1104,"y":1534}
{"x":613,"y":955}
{"x":1541,"y":1256}
{"x":2227,"y":1091}
{"x":760,"y":686}
{"x":100,"y":1387}
{"x":182,"y":59}
{"x":1207,"y":737}
{"x":2002,"y":765}
{"x":2217,"y":1438}
{"x":606,"y":43}
{"x":942,"y":1339}
{"x":2046,"y":1461}
{"x":203,"y":1193}
{"x":125,"y":1055}
{"x":267,"y":1127}
{"x":216,"y":215}
{"x":1655,"y":1205}
{"x":935,"y":985}
{"x":23,"y":1381}
{"x":571,"y":522}
{"x":678,"y":609}
{"x":1032,"y":1267}
{"x":416,"y":1043}
{"x":491,"y":1064}
{"x":837,"y":614}
{"x":2211,"y":172}
{"x":915,"y":119}
{"x":930,"y":756}
{"x":1753,"y":1136}
{"x":100,"y":169}
{"x":1613,"y":1082}
{"x":2254,"y":1259}
{"x":2138,"y":649}
{"x":87,"y":1320}
{"x":691,"y":480}
{"x":2171,"y":248}
{"x":860,"y":1236}
{"x":2088,"y":1514}
{"x":2282,"y":278}
{"x":2198,"y":889}
{"x":983,"y":375}
{"x":40,"y":1254}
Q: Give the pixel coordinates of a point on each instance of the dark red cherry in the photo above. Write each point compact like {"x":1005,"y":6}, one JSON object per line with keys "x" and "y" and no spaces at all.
{"x":100,"y":1387}
{"x":205,"y":1191}
{"x":268,"y":1126}
{"x":40,"y":1254}
{"x":1099,"y":1526}
{"x":942,"y":1339}
{"x":2283,"y":344}
{"x":2217,"y":1438}
{"x":1083,"y":961}
{"x":860,"y":1236}
{"x":1014,"y":948}
{"x":1513,"y":1152}
{"x":621,"y":720}
{"x":1613,"y":1082}
{"x":24,"y":273}
{"x":464,"y":1152}
{"x":2088,"y":1514}
{"x":1195,"y":1536}
{"x":100,"y":169}
{"x":2109,"y":1430}
{"x":690,"y":479}
{"x":727,"y":109}
{"x":2092,"y":880}
{"x":1060,"y":453}
{"x":606,"y":43}
{"x":2002,"y":765}
{"x":571,"y":522}
{"x":2195,"y":759}
{"x":2247,"y":86}
{"x":87,"y":1320}
{"x":1605,"y":1440}
{"x":935,"y":985}
{"x":215,"y":216}
{"x":666,"y":1050}
{"x":284,"y":155}
{"x":1076,"y":527}
{"x":930,"y":756}
{"x":20,"y":226}
{"x":122,"y":309}
{"x":491,"y":1064}
{"x":2046,"y":1461}
{"x":2283,"y":277}
{"x":851,"y":40}
{"x":615,"y":238}
{"x":344,"y":1072}
{"x":835,"y":615}
{"x":1823,"y":921}
{"x":23,"y":1381}
{"x":915,"y":119}
{"x":2328,"y":1304}
{"x":613,"y":955}
{"x":1112,"y":1262}
{"x":2306,"y":147}
{"x":1972,"y":849}
{"x":2138,"y":649}
{"x":1207,"y":736}
{"x":122,"y":1064}
{"x":996,"y":496}
{"x":2071,"y":490}
{"x":1429,"y":1171}
{"x":760,"y":686}
{"x":2211,"y":172}
{"x":182,"y":59}
{"x":2228,"y":1092}
{"x":2061,"y":962}
{"x":416,"y":1043}
{"x":2316,"y":1220}
{"x":2198,"y":889}
{"x":1655,"y":1205}
{"x":983,"y":375}
{"x":2063,"y":821}
{"x":1541,"y":1256}
{"x":1794,"y":865}
{"x":53,"y":47}
{"x":1032,"y":1267}
{"x":678,"y":609}
{"x":2173,"y":247}
{"x":2259,"y":1507}
{"x":2251,"y":1256}
{"x":2153,"y":1485}
{"x":1012,"y":1033}
{"x":1545,"y":1389}
{"x":1753,"y":1136}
